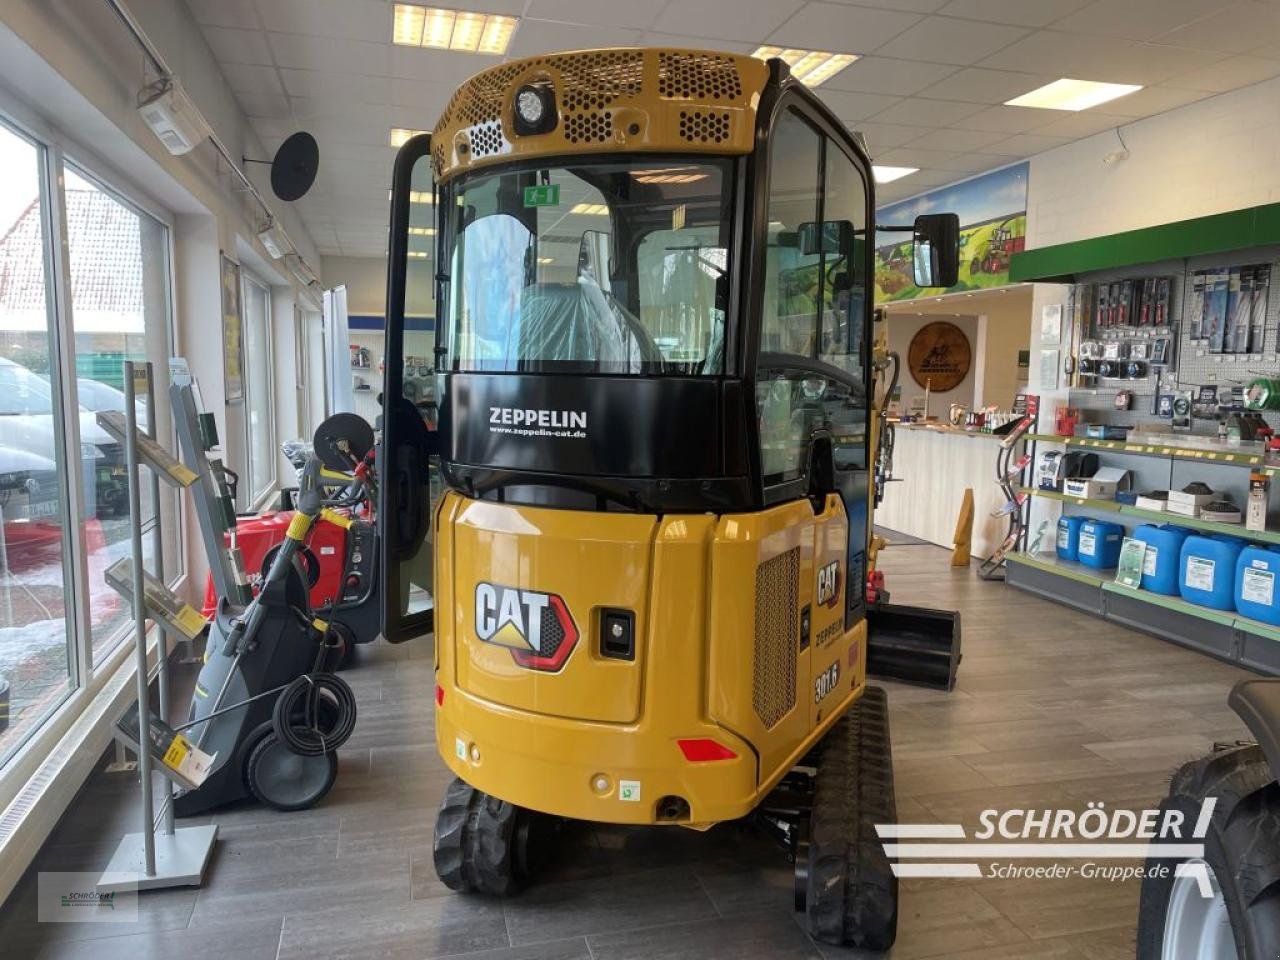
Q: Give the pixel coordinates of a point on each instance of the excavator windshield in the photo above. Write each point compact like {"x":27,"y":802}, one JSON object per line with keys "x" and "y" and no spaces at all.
{"x":615,"y":267}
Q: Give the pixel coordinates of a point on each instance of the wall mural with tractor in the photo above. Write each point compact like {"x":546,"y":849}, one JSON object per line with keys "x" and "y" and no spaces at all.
{"x":993,"y":218}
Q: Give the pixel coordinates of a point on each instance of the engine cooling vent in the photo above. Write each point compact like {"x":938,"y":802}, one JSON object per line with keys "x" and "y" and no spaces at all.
{"x":487,"y":139}
{"x":704,"y":126}
{"x":773,"y":682}
{"x":698,"y":76}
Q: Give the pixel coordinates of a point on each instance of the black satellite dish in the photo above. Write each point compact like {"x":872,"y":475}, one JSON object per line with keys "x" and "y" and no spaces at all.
{"x":293,"y":170}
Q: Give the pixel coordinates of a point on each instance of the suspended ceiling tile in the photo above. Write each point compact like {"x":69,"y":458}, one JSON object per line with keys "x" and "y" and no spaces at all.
{"x":1229,"y":74}
{"x":975,"y":162}
{"x":948,"y":139}
{"x":605,"y":13}
{"x":982,"y":85}
{"x":886,"y":75}
{"x":1137,"y":19}
{"x":1003,"y":119}
{"x":1027,"y":144}
{"x":264,"y":104}
{"x":1079,"y":125}
{"x":839,"y":28}
{"x":1098,"y":58}
{"x":928,"y":113}
{"x":545,"y":36}
{"x":338,"y":88}
{"x":852,"y":107}
{"x":913,"y":157}
{"x":1150,"y":101}
{"x":246,"y":78}
{"x":447,"y":67}
{"x":1025,"y":13}
{"x":883,"y":136}
{"x":656,"y":39}
{"x":351,"y":19}
{"x":298,"y":52}
{"x":731,"y":19}
{"x":234,"y":46}
{"x":1242,"y":27}
{"x":949,"y":40}
{"x":907,"y":6}
{"x":225,"y":13}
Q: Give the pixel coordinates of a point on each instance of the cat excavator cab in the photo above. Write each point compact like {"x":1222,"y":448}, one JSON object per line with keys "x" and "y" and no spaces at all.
{"x":638,"y":514}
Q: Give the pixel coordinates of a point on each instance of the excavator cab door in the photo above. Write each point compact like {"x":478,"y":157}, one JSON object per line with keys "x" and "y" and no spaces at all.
{"x":408,"y":469}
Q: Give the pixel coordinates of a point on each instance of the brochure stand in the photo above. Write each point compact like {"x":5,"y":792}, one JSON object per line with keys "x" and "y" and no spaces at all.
{"x":157,"y":856}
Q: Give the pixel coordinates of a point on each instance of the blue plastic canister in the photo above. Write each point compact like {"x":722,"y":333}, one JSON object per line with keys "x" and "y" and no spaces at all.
{"x":1069,"y":537}
{"x":1100,"y":542}
{"x":1160,"y":568}
{"x":1256,"y":595}
{"x":1207,"y":572}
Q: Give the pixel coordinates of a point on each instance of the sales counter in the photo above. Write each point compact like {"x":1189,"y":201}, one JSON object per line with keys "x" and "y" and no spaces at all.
{"x":932,"y":467}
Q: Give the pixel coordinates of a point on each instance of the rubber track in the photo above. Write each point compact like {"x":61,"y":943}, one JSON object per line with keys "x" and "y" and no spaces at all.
{"x":473,"y":847}
{"x":852,"y":896}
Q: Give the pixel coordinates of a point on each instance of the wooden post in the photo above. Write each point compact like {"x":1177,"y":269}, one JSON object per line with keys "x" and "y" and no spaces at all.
{"x":963,"y":538}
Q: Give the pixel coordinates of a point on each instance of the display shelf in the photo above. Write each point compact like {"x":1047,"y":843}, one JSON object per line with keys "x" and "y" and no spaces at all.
{"x":1083,"y":574}
{"x":1170,"y":451}
{"x":1193,"y":523}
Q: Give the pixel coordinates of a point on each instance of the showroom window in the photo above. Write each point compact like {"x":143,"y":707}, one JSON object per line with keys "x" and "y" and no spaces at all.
{"x":119,"y":311}
{"x":259,"y":420}
{"x":66,"y":326}
{"x":38,"y":668}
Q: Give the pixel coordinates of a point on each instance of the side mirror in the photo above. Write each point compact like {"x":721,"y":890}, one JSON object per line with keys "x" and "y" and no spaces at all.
{"x":935,"y":250}
{"x":835,"y":237}
{"x":342,"y":440}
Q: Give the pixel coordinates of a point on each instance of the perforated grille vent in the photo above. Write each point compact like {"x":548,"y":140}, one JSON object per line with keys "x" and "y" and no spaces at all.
{"x":480,"y":99}
{"x":704,"y":126}
{"x":698,"y":76}
{"x":487,"y":139}
{"x":773,"y":682}
{"x":437,"y":155}
{"x":592,"y":81}
{"x":580,"y":127}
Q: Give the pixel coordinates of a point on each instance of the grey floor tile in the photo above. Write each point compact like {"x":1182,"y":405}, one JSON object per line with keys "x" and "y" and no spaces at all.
{"x":258,"y":940}
{"x":394,"y":929}
{"x":771,"y":935}
{"x":1044,"y":909}
{"x":555,"y":911}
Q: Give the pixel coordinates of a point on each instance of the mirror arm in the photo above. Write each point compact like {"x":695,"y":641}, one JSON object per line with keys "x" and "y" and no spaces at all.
{"x":884,"y":228}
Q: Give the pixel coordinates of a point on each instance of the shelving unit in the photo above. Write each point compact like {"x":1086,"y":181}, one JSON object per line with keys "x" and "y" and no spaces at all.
{"x":1221,"y":633}
{"x":1160,"y":516}
{"x":1168,"y":452}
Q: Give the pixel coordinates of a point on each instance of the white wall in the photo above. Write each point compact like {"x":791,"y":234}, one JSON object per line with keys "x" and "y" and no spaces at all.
{"x":902,"y":327}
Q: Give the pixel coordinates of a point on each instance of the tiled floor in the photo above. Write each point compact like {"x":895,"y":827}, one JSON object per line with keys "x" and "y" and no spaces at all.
{"x":1053,"y":708}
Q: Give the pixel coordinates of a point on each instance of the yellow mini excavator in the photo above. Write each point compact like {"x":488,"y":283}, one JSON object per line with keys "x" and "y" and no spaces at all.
{"x":627,"y":472}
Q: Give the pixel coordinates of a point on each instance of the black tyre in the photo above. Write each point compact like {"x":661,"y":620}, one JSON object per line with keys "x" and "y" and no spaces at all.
{"x":285,"y":781}
{"x":1241,"y":918}
{"x":489,"y":846}
{"x":851,"y":895}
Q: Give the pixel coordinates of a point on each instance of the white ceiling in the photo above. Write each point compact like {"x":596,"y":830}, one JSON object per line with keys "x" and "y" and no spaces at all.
{"x":927,"y":91}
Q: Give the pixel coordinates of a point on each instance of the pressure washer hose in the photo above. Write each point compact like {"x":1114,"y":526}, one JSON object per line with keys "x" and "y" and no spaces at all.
{"x":298,"y":719}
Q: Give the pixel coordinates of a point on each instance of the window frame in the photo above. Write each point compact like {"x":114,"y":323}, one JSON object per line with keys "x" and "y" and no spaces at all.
{"x":87,"y":680}
{"x":830,"y":133}
{"x":259,"y":494}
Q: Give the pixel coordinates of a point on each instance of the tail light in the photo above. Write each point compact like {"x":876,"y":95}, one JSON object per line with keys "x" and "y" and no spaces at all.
{"x":702,"y":749}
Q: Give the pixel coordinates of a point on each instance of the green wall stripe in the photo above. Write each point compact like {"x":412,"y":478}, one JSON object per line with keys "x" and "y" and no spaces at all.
{"x":1219,"y":233}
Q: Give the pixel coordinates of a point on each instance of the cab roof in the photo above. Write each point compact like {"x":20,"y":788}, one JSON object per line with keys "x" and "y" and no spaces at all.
{"x":632,"y":99}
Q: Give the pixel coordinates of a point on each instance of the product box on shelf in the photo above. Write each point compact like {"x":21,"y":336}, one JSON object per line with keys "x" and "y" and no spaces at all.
{"x":1256,"y":512}
{"x":1188,"y":501}
{"x":1101,"y":486}
{"x":1156,"y":500}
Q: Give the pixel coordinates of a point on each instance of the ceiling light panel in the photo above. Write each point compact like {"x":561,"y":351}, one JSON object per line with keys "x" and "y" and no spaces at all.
{"x":591,"y":209}
{"x":890,"y":174}
{"x":439,"y":28}
{"x":1076,"y":95}
{"x":422,"y":231}
{"x":810,"y":67}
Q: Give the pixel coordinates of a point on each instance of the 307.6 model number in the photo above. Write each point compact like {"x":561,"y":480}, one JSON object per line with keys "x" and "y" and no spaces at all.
{"x":826,"y":681}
